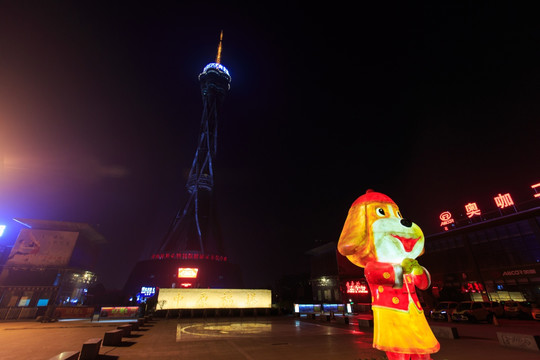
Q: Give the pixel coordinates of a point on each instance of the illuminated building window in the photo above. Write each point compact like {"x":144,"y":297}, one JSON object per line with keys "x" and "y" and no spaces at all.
{"x":24,"y":301}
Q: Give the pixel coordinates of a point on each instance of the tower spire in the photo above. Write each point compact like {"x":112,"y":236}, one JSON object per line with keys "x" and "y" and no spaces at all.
{"x":218,"y":56}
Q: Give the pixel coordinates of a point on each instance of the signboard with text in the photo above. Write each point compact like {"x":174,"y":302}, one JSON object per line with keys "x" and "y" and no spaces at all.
{"x":214,"y":298}
{"x":42,"y":248}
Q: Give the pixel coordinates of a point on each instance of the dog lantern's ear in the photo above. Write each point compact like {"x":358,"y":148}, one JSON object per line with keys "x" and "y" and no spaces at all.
{"x":353,"y":231}
{"x":355,"y":241}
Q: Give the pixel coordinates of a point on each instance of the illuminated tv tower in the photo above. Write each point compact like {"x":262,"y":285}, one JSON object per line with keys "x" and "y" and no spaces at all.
{"x":191,"y":253}
{"x":195,"y":228}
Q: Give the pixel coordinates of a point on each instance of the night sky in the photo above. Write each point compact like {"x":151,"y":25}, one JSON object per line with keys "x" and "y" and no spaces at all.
{"x":434,"y":105}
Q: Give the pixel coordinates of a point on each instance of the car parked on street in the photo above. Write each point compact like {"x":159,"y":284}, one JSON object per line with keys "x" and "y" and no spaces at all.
{"x":472,"y":311}
{"x":535,"y":311}
{"x":518,"y":309}
{"x":443,"y":310}
{"x":495,"y":307}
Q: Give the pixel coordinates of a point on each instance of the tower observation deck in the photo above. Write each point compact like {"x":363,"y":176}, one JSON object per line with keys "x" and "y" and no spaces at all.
{"x":195,"y":229}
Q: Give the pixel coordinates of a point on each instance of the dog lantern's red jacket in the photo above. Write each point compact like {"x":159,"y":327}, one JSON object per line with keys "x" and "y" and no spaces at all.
{"x":391,"y":288}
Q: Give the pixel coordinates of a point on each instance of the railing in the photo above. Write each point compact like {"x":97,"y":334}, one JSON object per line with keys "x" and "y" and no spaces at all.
{"x":18,"y":313}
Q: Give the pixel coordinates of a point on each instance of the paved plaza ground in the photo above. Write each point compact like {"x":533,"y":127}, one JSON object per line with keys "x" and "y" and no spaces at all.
{"x":246,"y":338}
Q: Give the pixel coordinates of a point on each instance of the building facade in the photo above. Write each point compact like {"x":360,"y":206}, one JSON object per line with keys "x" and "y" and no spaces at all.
{"x":496,"y":259}
{"x":50,"y":265}
{"x":335,"y":280}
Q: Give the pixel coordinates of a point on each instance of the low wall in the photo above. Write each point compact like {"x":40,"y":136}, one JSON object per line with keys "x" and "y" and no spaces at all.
{"x":18,"y":313}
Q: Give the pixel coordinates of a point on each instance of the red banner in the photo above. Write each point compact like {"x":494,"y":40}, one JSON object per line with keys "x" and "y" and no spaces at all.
{"x":73,"y":312}
{"x":119,"y":312}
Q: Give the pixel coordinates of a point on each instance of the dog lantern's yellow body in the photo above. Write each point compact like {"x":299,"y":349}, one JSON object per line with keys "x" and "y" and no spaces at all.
{"x":376,"y":237}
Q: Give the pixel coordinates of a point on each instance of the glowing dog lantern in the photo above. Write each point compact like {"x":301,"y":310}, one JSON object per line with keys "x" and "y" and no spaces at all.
{"x":376,"y":237}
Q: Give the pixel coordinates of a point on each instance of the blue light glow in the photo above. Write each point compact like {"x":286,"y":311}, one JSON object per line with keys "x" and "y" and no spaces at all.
{"x":218,"y":67}
{"x":307,"y":308}
{"x":2,"y":228}
{"x":148,"y":291}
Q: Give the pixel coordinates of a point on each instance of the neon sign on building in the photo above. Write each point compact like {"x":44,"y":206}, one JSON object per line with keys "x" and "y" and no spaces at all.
{"x":503,"y":201}
{"x":472,"y":287}
{"x":356,"y":288}
{"x":187,"y":273}
{"x":536,"y":193}
{"x":446,"y":219}
{"x":472,"y":210}
{"x":148,"y":291}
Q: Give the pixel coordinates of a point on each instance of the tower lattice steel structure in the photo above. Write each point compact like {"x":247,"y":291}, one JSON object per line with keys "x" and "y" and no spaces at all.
{"x":195,"y":229}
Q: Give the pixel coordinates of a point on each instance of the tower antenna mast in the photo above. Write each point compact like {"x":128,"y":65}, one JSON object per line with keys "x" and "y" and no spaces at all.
{"x":218,"y":56}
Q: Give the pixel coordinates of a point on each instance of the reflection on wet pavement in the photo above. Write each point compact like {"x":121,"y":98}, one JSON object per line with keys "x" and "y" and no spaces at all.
{"x":222,"y":329}
{"x":198,"y":330}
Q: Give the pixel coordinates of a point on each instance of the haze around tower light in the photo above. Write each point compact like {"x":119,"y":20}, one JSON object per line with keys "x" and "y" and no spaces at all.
{"x":217,"y":64}
{"x":434,"y":104}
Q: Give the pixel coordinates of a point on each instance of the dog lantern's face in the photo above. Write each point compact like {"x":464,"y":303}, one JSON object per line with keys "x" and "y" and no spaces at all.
{"x":376,"y":231}
{"x":395,"y":238}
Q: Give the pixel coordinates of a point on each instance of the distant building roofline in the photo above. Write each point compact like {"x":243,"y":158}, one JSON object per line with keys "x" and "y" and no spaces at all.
{"x":85,"y":229}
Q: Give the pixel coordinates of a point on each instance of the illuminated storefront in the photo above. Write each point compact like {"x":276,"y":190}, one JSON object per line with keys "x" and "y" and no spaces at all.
{"x":487,"y":250}
{"x":496,"y":259}
{"x":334,"y":279}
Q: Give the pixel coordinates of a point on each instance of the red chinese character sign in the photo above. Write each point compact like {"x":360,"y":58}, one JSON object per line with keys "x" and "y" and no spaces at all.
{"x":503,"y":201}
{"x":536,"y":187}
{"x":472,"y":210}
{"x":376,"y":237}
{"x":356,"y":288}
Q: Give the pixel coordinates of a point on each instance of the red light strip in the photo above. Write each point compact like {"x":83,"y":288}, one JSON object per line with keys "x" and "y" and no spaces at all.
{"x":189,"y":256}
